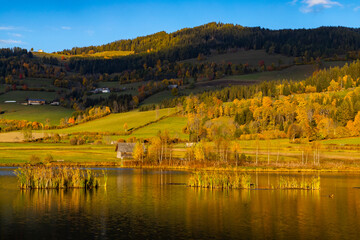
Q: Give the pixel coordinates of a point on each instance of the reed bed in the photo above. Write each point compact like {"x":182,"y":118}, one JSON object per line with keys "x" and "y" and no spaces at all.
{"x":220,"y":180}
{"x":50,"y":177}
{"x":306,"y":184}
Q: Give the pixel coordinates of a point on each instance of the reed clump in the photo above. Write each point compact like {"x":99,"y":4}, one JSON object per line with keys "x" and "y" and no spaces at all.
{"x":220,"y":180}
{"x":306,"y":184}
{"x":50,"y":177}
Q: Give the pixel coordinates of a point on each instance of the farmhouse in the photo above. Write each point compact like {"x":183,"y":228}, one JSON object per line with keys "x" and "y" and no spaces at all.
{"x":105,"y":90}
{"x":36,"y":101}
{"x":172,"y":86}
{"x":101,"y":90}
{"x":125,"y":150}
{"x":55,"y":103}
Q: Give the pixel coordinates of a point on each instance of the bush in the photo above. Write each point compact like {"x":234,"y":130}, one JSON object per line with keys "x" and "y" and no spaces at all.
{"x":56,"y":138}
{"x":48,"y":159}
{"x":73,"y":141}
{"x":81,"y":141}
{"x":34,"y":159}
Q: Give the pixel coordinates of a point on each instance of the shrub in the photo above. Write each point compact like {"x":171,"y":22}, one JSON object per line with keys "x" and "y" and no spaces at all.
{"x":81,"y":141}
{"x":48,"y":159}
{"x":73,"y":141}
{"x":34,"y":159}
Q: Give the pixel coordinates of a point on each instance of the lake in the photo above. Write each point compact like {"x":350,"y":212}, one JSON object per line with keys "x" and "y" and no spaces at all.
{"x":151,"y":204}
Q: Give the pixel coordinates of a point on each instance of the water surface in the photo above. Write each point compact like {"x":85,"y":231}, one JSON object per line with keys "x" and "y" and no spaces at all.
{"x":141,"y":204}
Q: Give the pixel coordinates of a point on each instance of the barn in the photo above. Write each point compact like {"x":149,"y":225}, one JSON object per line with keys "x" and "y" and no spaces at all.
{"x":124,"y":150}
{"x":36,"y":101}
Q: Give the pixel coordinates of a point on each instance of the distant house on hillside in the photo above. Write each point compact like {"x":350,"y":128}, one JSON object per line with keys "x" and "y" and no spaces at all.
{"x":55,"y":103}
{"x":125,"y":150}
{"x":172,"y":86}
{"x":40,"y":50}
{"x":105,"y":90}
{"x":36,"y":101}
{"x":101,"y":90}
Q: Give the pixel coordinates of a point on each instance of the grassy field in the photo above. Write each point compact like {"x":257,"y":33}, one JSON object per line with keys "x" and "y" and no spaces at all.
{"x":289,"y":154}
{"x":173,"y":124}
{"x":157,"y":98}
{"x":16,"y":136}
{"x":297,"y":72}
{"x":343,"y":141}
{"x":21,"y":96}
{"x":115,"y":122}
{"x":35,"y":113}
{"x":12,"y":153}
{"x":45,"y":83}
{"x":251,"y":57}
{"x":106,"y":54}
{"x":32,"y":113}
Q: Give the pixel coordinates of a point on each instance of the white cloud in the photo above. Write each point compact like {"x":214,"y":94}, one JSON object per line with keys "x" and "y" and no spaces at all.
{"x":7,"y":28}
{"x":317,"y":5}
{"x":15,"y":34}
{"x":10,"y":41}
{"x":65,"y":28}
{"x":357,"y":8}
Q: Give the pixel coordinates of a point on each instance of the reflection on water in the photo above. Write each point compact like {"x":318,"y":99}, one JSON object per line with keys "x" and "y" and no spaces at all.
{"x":141,"y":204}
{"x":39,"y":201}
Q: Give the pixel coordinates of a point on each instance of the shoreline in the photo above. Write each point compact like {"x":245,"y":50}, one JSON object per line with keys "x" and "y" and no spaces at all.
{"x":190,"y":168}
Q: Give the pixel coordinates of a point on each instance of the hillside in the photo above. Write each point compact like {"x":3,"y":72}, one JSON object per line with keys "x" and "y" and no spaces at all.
{"x":66,"y":57}
{"x":201,"y":39}
{"x":140,"y":72}
{"x":305,"y":45}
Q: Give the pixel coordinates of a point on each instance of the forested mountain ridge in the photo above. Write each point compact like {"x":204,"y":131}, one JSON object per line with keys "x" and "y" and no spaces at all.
{"x":322,"y":41}
{"x":308,"y":44}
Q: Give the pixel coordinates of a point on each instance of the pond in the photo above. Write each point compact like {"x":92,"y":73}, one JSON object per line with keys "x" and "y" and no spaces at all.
{"x":152,"y":204}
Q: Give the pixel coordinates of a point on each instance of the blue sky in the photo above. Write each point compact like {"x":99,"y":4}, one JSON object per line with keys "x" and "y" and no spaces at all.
{"x":62,"y":24}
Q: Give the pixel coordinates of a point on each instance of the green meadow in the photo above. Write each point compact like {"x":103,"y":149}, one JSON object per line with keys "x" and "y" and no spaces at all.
{"x":296,"y":72}
{"x":14,"y":153}
{"x":115,"y":122}
{"x":45,"y":83}
{"x":251,"y":57}
{"x":173,"y":124}
{"x":158,"y":98}
{"x":21,"y":96}
{"x":105,"y":54}
{"x":35,"y":113}
{"x":343,"y":141}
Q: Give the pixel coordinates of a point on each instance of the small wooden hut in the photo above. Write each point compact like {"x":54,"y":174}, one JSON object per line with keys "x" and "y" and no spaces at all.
{"x":124,"y":150}
{"x":36,"y":101}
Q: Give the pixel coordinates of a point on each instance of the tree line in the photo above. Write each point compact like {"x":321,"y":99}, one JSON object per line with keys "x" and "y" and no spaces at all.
{"x":326,"y":105}
{"x":192,"y":41}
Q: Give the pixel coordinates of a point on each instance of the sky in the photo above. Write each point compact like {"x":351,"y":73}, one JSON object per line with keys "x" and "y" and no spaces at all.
{"x":62,"y":24}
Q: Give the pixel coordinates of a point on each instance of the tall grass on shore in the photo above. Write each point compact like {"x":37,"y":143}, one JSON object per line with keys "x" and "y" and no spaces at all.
{"x":49,"y":177}
{"x":220,"y":180}
{"x":306,"y":184}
